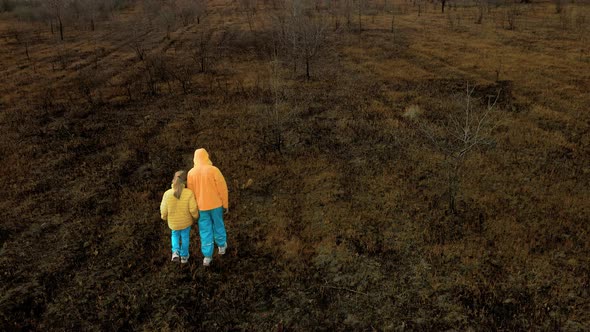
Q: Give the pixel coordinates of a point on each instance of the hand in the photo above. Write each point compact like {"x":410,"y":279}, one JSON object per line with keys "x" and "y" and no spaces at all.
{"x":226,"y":210}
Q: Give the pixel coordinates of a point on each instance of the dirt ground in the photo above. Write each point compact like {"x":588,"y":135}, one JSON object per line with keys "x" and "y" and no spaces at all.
{"x":339,"y":194}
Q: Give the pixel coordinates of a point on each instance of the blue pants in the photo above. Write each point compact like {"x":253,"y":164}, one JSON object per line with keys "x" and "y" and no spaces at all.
{"x":180,"y":241}
{"x":211,"y":229}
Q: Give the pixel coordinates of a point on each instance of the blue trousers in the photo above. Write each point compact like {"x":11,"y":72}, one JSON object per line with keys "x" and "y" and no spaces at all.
{"x":212,"y":230}
{"x":180,"y":241}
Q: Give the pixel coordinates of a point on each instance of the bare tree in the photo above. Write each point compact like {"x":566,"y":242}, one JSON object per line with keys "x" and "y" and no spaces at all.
{"x":334,"y":10}
{"x":248,"y":7}
{"x":89,"y":10}
{"x":348,"y":8}
{"x":275,"y":116}
{"x":482,"y":7}
{"x":7,"y":6}
{"x":131,"y":82}
{"x":360,"y":7}
{"x":559,"y":6}
{"x":88,"y":82}
{"x":442,"y":7}
{"x":137,"y":40}
{"x":276,"y":111}
{"x":203,"y":49}
{"x":155,"y":72}
{"x":391,"y":9}
{"x":57,"y":10}
{"x":511,"y":14}
{"x":63,"y":56}
{"x":307,"y":39}
{"x":313,"y":41}
{"x":182,"y":72}
{"x":278,"y":32}
{"x":167,"y":16}
{"x":189,"y":10}
{"x":461,"y":136}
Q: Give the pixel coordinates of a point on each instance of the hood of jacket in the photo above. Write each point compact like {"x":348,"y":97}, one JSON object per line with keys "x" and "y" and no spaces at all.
{"x":201,"y":158}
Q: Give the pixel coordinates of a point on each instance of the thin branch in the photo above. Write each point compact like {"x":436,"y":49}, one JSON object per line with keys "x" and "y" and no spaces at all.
{"x":346,"y":289}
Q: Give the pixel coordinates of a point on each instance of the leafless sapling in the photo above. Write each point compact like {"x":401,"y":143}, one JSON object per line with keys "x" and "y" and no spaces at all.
{"x":307,"y":38}
{"x":460,"y":136}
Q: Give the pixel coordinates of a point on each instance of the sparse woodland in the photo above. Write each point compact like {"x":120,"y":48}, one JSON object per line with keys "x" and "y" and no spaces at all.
{"x":393,"y":165}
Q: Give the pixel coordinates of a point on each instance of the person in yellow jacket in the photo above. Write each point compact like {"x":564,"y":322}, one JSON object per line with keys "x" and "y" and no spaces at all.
{"x":179,"y":207}
{"x":210,"y":189}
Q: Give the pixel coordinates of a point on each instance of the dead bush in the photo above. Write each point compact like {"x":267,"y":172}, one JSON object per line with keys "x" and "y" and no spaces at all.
{"x":468,"y":128}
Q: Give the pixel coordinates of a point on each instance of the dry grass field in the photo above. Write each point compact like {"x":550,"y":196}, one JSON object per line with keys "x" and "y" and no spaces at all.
{"x":421,"y":171}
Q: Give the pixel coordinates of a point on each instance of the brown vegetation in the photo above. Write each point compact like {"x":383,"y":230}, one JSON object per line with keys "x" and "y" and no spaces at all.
{"x":341,"y":129}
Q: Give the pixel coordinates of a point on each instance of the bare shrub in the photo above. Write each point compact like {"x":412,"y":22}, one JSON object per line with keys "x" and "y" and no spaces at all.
{"x":137,"y":42}
{"x":63,"y":57}
{"x":511,"y":15}
{"x":305,"y":39}
{"x":443,"y":3}
{"x":462,"y":134}
{"x":182,"y":72}
{"x":559,"y":6}
{"x":56,"y":8}
{"x":203,"y":49}
{"x":7,"y":5}
{"x":131,"y":83}
{"x":565,"y":19}
{"x":498,"y":69}
{"x":14,"y":32}
{"x":313,"y":41}
{"x":167,"y":17}
{"x":248,"y":9}
{"x":454,"y":19}
{"x":347,"y":11}
{"x":189,"y":10}
{"x":47,"y":99}
{"x":156,"y":72}
{"x":277,"y":108}
{"x":581,"y":23}
{"x":482,"y":8}
{"x":87,"y":83}
{"x":90,"y":11}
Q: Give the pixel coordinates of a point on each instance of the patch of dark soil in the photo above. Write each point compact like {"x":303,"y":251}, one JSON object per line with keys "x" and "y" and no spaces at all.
{"x":502,"y":90}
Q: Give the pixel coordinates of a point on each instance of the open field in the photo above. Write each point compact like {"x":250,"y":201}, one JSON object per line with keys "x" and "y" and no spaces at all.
{"x":361,"y":197}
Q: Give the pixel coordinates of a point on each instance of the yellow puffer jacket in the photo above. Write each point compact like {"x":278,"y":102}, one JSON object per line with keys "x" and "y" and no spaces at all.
{"x":179,"y":212}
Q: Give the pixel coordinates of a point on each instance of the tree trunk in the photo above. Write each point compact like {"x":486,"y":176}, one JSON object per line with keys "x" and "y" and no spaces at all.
{"x":452,"y":195}
{"x":360,"y":18}
{"x":61,"y":29}
{"x":392,"y":21}
{"x":307,"y":68}
{"x":92,"y":24}
{"x":453,"y":186}
{"x":443,"y":2}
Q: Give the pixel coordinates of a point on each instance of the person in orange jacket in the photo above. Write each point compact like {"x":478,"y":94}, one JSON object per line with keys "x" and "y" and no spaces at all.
{"x":178,"y":208}
{"x":210,"y":189}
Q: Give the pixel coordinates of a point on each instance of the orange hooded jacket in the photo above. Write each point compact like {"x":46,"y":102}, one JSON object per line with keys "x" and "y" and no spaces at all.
{"x":207,"y":182}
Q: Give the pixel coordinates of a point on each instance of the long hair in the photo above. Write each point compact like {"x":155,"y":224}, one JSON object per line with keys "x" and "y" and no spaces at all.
{"x":178,"y":183}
